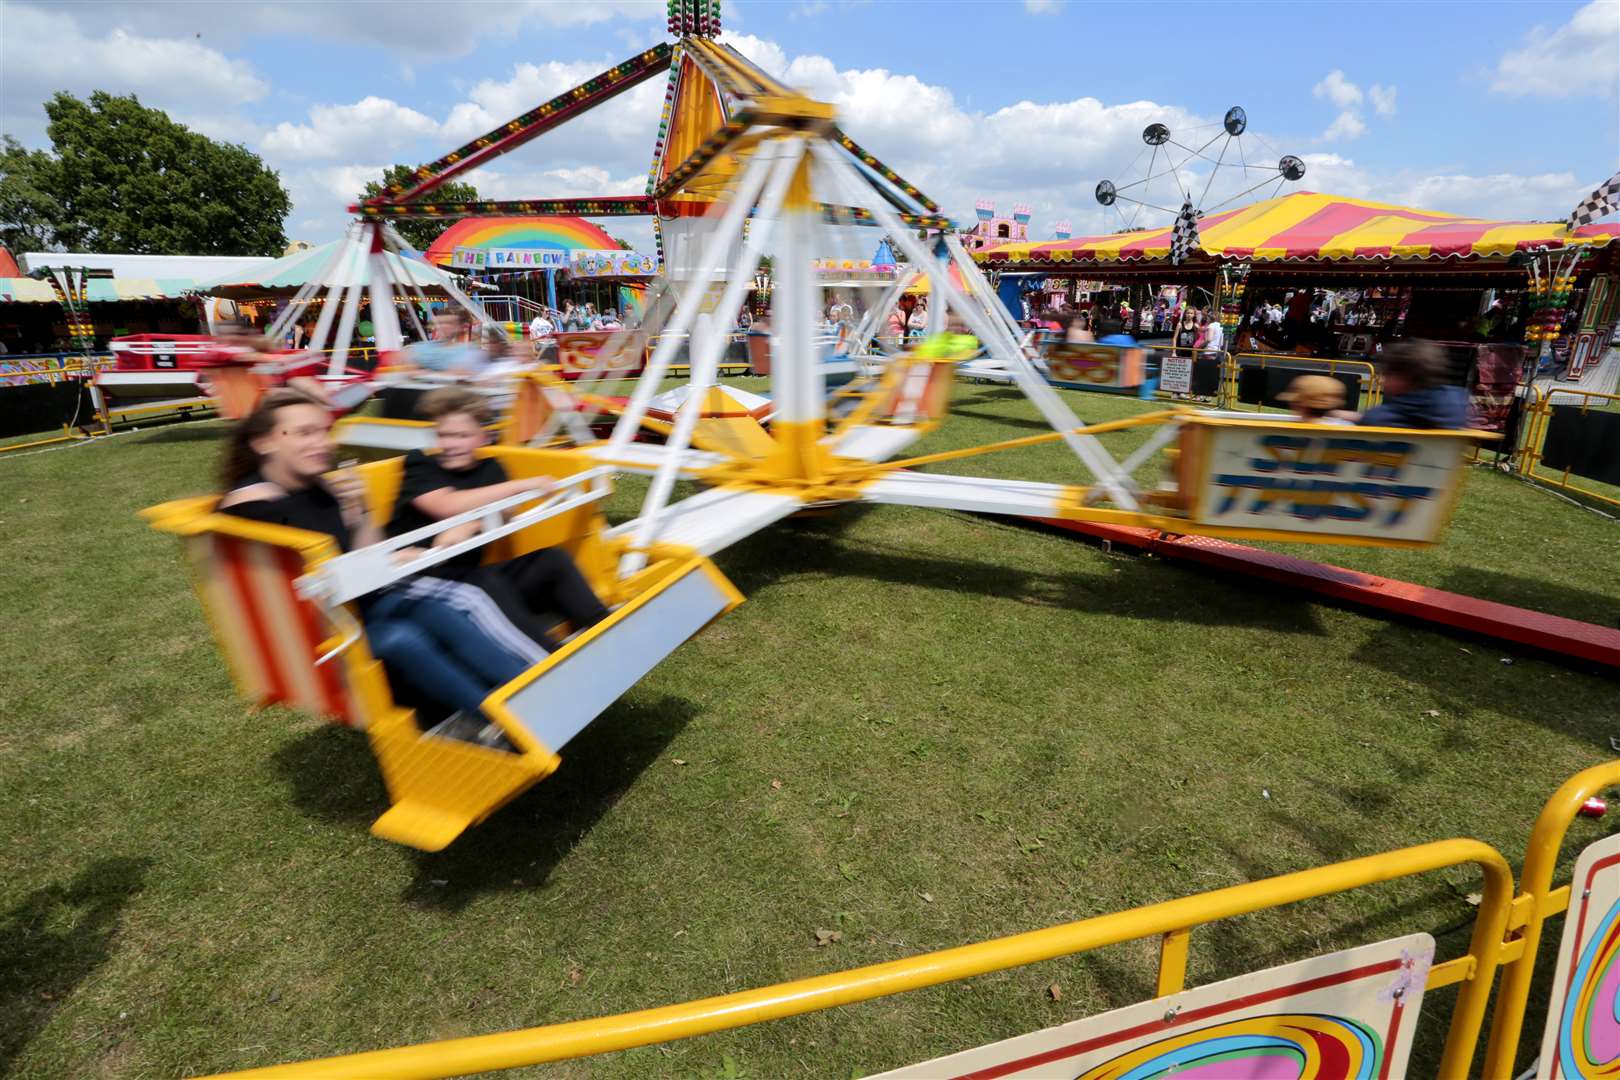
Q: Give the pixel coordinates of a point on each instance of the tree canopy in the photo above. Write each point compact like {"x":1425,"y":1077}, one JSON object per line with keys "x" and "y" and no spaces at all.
{"x":124,"y":178}
{"x":28,"y":209}
{"x":420,"y":232}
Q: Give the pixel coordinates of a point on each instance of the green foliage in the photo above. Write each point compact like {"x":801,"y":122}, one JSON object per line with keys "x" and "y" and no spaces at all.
{"x":420,"y":232}
{"x":28,"y":209}
{"x":128,"y":179}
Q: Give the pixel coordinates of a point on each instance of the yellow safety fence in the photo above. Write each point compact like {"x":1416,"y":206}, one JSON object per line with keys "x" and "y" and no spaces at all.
{"x":1372,"y":386}
{"x":1533,"y":439}
{"x":1507,"y":934}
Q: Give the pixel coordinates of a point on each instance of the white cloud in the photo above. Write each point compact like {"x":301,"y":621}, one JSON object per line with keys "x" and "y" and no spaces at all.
{"x":1505,"y":196}
{"x":42,"y":52}
{"x":1043,"y":7}
{"x":371,"y":125}
{"x":1339,"y":90}
{"x":1346,"y":126}
{"x":453,"y":29}
{"x":1578,"y":58}
{"x":1348,"y":97}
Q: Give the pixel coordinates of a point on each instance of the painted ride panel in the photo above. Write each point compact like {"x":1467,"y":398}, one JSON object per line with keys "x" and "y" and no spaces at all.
{"x":1319,"y":483}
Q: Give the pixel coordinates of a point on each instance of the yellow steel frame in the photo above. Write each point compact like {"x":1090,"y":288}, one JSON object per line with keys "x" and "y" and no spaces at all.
{"x":1172,"y":921}
{"x":1537,"y":900}
{"x":1535,"y":438}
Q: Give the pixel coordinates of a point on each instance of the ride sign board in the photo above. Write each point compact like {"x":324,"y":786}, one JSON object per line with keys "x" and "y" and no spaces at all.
{"x":614,"y":263}
{"x":1385,"y":484}
{"x":1175,"y":374}
{"x":468,"y":258}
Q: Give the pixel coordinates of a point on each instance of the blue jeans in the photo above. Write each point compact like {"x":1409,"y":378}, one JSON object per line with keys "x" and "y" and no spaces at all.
{"x":441,"y":650}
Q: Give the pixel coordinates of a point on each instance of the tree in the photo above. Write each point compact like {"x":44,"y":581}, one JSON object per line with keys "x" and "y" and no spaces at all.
{"x":130,"y":180}
{"x":28,"y":209}
{"x":420,"y":232}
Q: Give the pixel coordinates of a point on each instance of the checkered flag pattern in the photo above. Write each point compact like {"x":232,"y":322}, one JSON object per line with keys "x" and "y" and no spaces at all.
{"x":1184,"y":237}
{"x":1605,"y":200}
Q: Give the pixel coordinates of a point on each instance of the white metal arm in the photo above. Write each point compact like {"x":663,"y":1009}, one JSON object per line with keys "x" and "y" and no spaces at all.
{"x":374,"y":567}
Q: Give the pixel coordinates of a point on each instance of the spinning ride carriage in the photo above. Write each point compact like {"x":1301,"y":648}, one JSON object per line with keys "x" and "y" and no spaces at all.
{"x":742,"y":150}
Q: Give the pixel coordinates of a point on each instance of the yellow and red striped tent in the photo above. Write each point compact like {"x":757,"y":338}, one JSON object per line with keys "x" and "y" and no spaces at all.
{"x":1306,"y":225}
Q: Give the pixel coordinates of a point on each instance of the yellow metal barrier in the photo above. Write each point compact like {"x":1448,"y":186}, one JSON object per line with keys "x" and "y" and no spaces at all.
{"x":1538,"y":417}
{"x":1536,"y":902}
{"x":1372,"y":387}
{"x":1173,"y":920}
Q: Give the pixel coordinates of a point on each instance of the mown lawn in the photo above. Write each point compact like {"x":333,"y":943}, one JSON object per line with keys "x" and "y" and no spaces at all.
{"x":922,"y":729}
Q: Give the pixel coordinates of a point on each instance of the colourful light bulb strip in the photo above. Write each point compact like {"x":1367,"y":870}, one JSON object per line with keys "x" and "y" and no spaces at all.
{"x":887,"y":173}
{"x":534,"y":122}
{"x":664,"y":116}
{"x":610,"y":206}
{"x":711,"y":148}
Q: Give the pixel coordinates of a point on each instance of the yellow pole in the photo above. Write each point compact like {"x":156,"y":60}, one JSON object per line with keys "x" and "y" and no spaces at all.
{"x":1535,"y":882}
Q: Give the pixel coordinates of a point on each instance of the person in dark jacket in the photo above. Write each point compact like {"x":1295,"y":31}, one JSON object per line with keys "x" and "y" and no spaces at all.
{"x":1415,"y":392}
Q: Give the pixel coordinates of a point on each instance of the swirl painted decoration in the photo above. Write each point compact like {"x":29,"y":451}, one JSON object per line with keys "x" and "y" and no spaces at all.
{"x":1589,"y":1027}
{"x":1287,"y":1046}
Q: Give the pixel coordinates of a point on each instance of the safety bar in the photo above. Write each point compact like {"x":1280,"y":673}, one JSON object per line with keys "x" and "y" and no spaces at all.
{"x":581,"y":1038}
{"x":374,"y":567}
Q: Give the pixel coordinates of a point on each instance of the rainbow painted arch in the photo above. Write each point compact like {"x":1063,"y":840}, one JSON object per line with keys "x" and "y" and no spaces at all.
{"x":562,"y":233}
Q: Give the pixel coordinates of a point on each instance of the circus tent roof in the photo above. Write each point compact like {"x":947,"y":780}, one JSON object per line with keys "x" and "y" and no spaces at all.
{"x":1307,"y":225}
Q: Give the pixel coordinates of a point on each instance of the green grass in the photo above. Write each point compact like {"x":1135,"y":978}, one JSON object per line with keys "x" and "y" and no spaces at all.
{"x":978,"y":729}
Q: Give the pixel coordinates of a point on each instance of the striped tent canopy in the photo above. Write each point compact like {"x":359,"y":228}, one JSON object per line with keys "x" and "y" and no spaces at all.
{"x":97,"y":290}
{"x":286,"y":275}
{"x":1306,"y":225}
{"x":920,"y":286}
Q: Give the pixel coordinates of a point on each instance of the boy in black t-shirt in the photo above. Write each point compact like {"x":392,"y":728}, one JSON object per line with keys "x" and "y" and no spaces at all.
{"x":456,"y":480}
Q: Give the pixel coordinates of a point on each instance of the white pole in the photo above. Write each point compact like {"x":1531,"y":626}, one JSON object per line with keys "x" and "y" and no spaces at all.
{"x":707,"y":345}
{"x":305,"y":291}
{"x":351,"y":306}
{"x":709,"y":268}
{"x":384,"y":319}
{"x":989,"y":330}
{"x":795,"y":366}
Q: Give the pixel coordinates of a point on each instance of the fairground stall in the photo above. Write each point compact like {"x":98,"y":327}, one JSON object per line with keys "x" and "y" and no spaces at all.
{"x":1310,"y":281}
{"x":59,"y":314}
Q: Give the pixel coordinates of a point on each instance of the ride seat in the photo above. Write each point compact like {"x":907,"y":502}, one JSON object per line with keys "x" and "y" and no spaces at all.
{"x":283,"y":648}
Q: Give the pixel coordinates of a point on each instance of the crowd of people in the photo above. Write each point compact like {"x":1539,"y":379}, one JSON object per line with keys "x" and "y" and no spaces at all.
{"x":572,"y":318}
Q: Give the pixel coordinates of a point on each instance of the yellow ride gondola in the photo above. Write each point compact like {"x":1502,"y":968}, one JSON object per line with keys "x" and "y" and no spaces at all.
{"x":281,"y":605}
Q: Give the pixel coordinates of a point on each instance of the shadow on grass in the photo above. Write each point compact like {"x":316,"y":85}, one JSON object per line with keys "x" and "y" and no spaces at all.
{"x":334,"y":778}
{"x":1476,"y":680}
{"x":1538,"y":594}
{"x":1034,"y":424}
{"x":54,"y":939}
{"x":1130,"y":587}
{"x":518,"y":847}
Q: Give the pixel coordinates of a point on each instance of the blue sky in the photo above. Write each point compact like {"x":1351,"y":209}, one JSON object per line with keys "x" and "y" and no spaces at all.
{"x":1494,"y":109}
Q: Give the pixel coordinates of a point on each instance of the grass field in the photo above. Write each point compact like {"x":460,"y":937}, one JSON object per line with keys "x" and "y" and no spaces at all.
{"x":922,"y":729}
